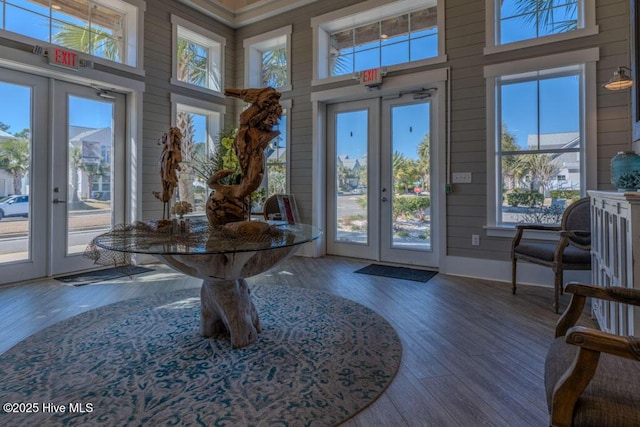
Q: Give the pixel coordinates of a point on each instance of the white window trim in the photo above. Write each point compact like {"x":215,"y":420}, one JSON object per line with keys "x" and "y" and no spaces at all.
{"x":588,"y":28}
{"x":588,"y":152}
{"x":361,"y":13}
{"x":252,"y":58}
{"x":176,"y":22}
{"x":205,"y":108}
{"x":133,"y":51}
{"x":287,"y":105}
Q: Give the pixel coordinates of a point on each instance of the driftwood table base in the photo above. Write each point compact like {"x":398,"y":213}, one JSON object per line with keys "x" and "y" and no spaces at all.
{"x":227,"y":308}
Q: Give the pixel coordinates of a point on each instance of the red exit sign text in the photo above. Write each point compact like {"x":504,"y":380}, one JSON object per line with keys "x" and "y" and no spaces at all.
{"x":64,"y":58}
{"x":371,"y":76}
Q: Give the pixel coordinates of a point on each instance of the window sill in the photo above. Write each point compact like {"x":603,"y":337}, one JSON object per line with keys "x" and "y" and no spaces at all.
{"x":200,"y":89}
{"x":583,"y":32}
{"x":510,"y":232}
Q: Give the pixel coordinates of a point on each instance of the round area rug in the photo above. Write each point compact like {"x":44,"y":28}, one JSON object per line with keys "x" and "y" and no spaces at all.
{"x":318,"y":361}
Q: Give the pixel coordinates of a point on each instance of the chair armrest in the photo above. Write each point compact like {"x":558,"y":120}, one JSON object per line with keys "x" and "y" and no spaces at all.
{"x":581,"y":292}
{"x":592,"y":339}
{"x":579,"y":238}
{"x":591,"y":343}
{"x":520,"y":229}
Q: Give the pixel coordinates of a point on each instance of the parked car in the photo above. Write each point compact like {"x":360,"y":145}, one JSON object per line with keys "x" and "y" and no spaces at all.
{"x":17,"y":205}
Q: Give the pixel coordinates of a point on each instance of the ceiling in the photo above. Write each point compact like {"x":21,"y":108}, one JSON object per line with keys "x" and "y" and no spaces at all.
{"x":237,"y":13}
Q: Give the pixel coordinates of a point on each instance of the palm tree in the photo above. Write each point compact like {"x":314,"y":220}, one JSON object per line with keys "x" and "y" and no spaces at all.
{"x":544,"y":13}
{"x":15,"y":159}
{"x":274,"y":68}
{"x":424,"y":162}
{"x":192,"y":64}
{"x":94,"y":171}
{"x":75,"y":157}
{"x":89,"y":40}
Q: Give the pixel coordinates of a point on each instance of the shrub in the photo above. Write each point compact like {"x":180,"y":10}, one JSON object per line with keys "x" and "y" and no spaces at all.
{"x":410,"y":206}
{"x":572,"y":195}
{"x":520,"y":197}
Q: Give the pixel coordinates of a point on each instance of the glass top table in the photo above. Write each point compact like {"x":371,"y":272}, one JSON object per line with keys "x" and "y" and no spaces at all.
{"x":223,"y":258}
{"x":200,"y":238}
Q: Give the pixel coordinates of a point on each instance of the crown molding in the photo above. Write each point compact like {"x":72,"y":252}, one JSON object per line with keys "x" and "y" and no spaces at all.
{"x":245,"y":15}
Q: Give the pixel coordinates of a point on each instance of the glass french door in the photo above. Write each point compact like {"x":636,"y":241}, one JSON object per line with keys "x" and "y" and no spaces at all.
{"x":381,"y":176}
{"x":88,"y":150}
{"x":59,"y":178}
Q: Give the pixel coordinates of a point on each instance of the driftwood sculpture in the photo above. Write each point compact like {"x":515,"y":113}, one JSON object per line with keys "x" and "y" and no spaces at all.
{"x":230,"y":203}
{"x":169,"y":166}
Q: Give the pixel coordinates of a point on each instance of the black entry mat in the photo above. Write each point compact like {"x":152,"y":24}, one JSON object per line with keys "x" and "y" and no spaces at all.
{"x":87,"y":277}
{"x":397,"y":272}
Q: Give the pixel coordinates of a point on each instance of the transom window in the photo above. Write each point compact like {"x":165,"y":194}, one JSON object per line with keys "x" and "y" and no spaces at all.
{"x":400,"y":39}
{"x":105,"y":29}
{"x":198,"y":56}
{"x":540,"y":144}
{"x":521,"y":23}
{"x":267,"y":59}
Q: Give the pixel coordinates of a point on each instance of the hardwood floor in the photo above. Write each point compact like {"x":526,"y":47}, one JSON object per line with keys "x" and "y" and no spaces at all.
{"x":473,"y":353}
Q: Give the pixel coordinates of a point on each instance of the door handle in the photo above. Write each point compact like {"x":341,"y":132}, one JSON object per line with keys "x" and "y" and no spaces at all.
{"x":56,"y":201}
{"x":384,"y":199}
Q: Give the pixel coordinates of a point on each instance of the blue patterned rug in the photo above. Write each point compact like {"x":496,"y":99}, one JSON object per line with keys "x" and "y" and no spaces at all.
{"x":319,"y":360}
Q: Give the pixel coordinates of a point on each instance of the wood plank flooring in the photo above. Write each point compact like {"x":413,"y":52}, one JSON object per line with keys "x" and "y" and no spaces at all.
{"x":473,"y":353}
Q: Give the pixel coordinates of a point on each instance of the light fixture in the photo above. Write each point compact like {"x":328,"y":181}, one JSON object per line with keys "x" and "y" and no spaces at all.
{"x":620,"y":80}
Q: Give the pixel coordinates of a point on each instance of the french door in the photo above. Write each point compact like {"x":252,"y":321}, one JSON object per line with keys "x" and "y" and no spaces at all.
{"x":61,"y":148}
{"x":380,"y":180}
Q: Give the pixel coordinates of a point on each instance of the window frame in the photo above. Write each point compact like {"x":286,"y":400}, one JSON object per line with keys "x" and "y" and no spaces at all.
{"x":587,"y":27}
{"x":587,"y":59}
{"x":204,"y":37}
{"x":253,"y":47}
{"x":133,"y":54}
{"x":362,"y":13}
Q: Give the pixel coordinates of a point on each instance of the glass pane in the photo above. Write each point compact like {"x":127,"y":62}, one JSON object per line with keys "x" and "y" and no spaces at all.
{"x":519,"y":115}
{"x":15,"y":172}
{"x":274,"y":67}
{"x":424,"y":19}
{"x":277,"y":160}
{"x":395,"y":29}
{"x":351,"y":196}
{"x":538,"y":187}
{"x":517,"y":29}
{"x":423,"y":47}
{"x":341,"y":64}
{"x":396,"y":53}
{"x":192,"y":188}
{"x":38,"y":25}
{"x":367,"y":35}
{"x":410,"y":144}
{"x":192,"y":62}
{"x":90,"y":162}
{"x":367,"y":59}
{"x":559,"y":108}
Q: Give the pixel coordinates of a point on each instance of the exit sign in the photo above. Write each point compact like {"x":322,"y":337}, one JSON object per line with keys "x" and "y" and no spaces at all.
{"x":371,"y":77}
{"x":63,"y":58}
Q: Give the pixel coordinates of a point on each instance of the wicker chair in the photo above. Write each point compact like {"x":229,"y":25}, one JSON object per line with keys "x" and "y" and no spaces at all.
{"x":571,"y":252}
{"x":271,"y":208}
{"x":592,"y":378}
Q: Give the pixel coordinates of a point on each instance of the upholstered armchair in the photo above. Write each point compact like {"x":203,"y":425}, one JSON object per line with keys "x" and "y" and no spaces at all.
{"x":571,"y":252}
{"x":271,"y":207}
{"x":592,"y":378}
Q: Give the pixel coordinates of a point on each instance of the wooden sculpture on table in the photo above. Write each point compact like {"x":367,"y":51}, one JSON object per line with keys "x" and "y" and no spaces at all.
{"x":231,"y":203}
{"x":169,"y":166}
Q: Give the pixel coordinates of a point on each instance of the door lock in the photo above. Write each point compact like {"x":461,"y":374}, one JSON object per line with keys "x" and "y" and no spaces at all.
{"x":384,"y":199}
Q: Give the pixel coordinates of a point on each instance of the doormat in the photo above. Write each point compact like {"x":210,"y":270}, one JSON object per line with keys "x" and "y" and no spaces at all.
{"x":81,"y":279}
{"x":397,"y":272}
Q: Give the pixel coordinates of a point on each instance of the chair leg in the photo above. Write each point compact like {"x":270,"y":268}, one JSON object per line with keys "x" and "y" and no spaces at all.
{"x":514,"y":261}
{"x":557,"y":286}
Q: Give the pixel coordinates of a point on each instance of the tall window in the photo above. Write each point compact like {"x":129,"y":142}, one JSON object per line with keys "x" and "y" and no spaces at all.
{"x":199,"y":123}
{"x":276,"y":154}
{"x":105,"y":29}
{"x":198,"y":56}
{"x":521,"y":23}
{"x":396,"y":40}
{"x":267,"y":59}
{"x":539,"y":145}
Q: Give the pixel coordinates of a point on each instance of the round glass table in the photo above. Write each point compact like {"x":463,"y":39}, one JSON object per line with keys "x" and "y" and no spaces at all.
{"x":223,"y":258}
